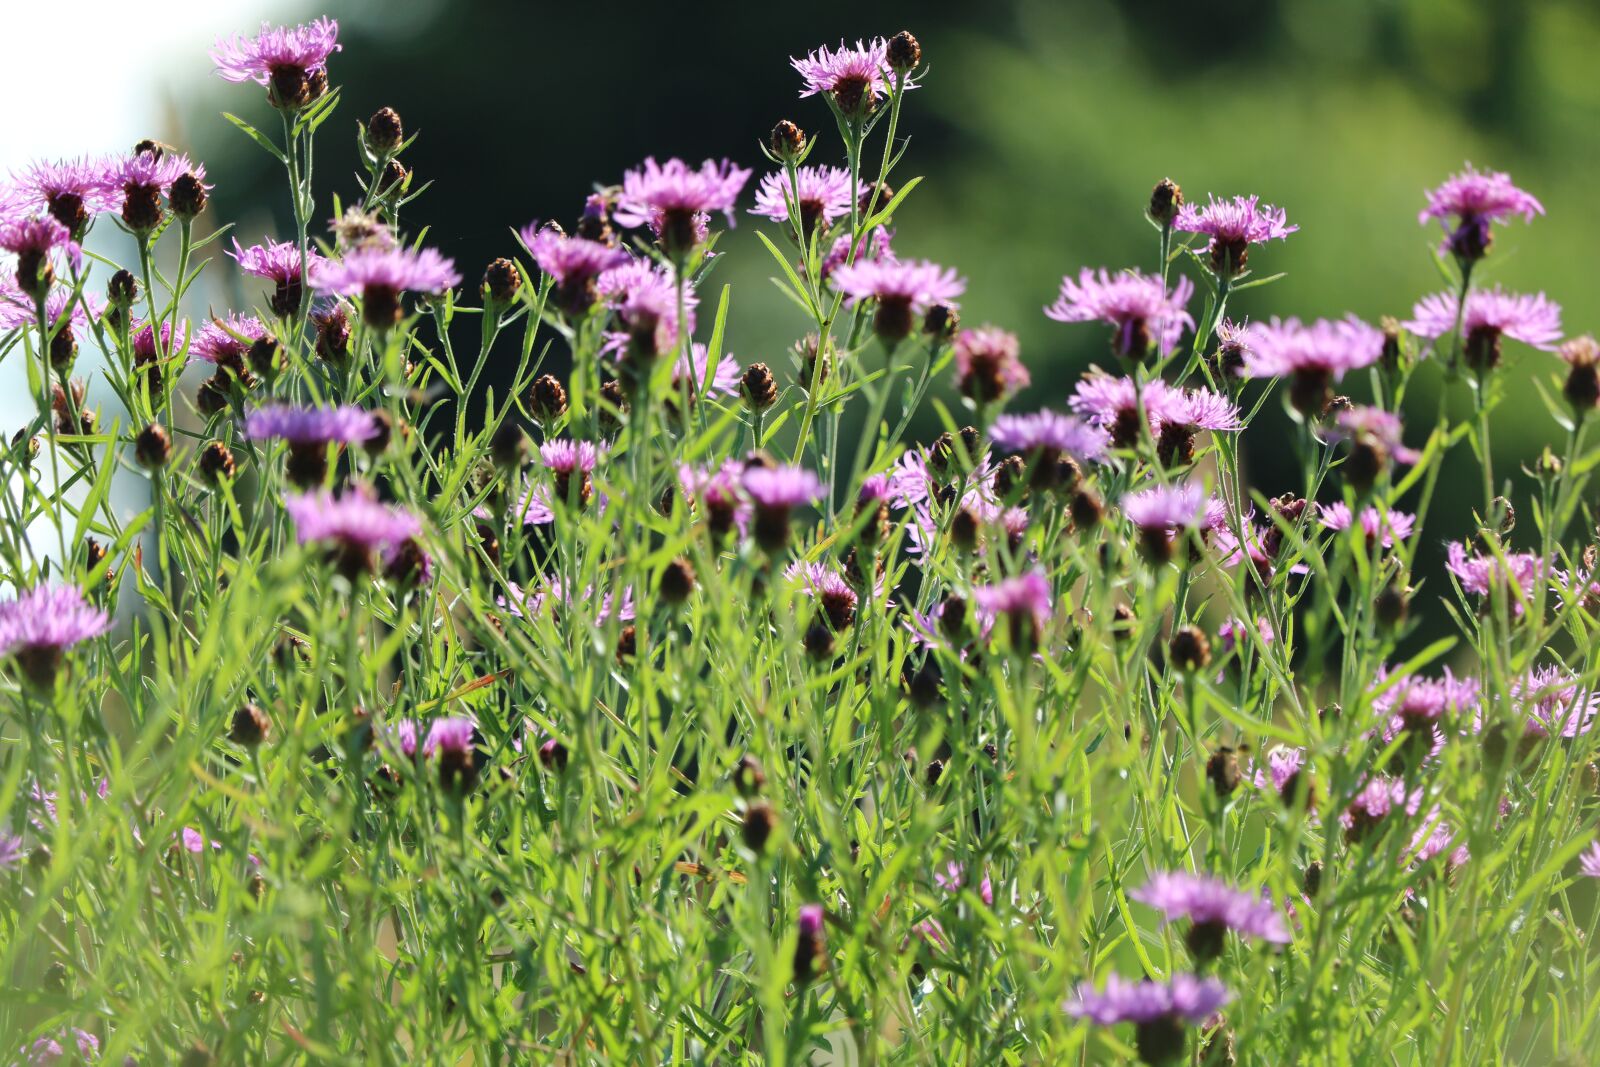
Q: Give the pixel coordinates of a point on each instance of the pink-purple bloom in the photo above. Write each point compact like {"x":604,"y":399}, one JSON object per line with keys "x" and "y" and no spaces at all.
{"x":1483,"y":573}
{"x":226,"y":342}
{"x":851,"y":77}
{"x":355,"y":520}
{"x":1475,"y":199}
{"x":344,"y":424}
{"x":1374,"y":426}
{"x":1184,"y":997}
{"x":279,"y":57}
{"x":379,"y":275}
{"x":279,"y":262}
{"x":573,"y":263}
{"x":902,"y":288}
{"x":782,"y":487}
{"x":450,"y":734}
{"x":988,"y":363}
{"x":1589,"y":863}
{"x":1165,"y":507}
{"x":1049,"y":431}
{"x":1379,"y":798}
{"x":1207,"y":901}
{"x":1555,"y":703}
{"x":70,"y":190}
{"x":674,"y":199}
{"x":1142,"y":310}
{"x":1233,"y":226}
{"x":564,"y":456}
{"x":1491,"y":314}
{"x":821,"y":193}
{"x":1381,"y":525}
{"x":691,"y":369}
{"x":40,"y":625}
{"x":1026,"y":596}
{"x":645,"y":297}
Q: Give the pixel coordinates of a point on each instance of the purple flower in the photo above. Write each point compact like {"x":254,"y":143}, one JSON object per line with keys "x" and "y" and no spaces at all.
{"x":1589,"y":863}
{"x":38,"y":627}
{"x":573,"y":263}
{"x":565,"y":456}
{"x":875,"y":247}
{"x":379,"y":275}
{"x":775,"y":492}
{"x":226,"y":342}
{"x":1373,"y":428}
{"x":902,"y":289}
{"x":1476,"y":199}
{"x":10,"y":850}
{"x":144,"y":340}
{"x":724,"y":379}
{"x":646,"y":301}
{"x":345,"y":424}
{"x":988,"y":364}
{"x":823,"y":196}
{"x":1378,"y":798}
{"x":1185,"y":997}
{"x":719,"y":493}
{"x":1284,"y":768}
{"x":1142,"y":309}
{"x":280,"y":58}
{"x":1213,"y":905}
{"x":32,"y":240}
{"x":1230,"y":630}
{"x":355,"y":524}
{"x":279,"y":262}
{"x":137,"y":182}
{"x":1432,"y":839}
{"x":65,"y":312}
{"x":1049,"y":435}
{"x":1180,"y":415}
{"x":1482,"y":574}
{"x":48,"y":1051}
{"x":1419,"y":705}
{"x":1312,"y":356}
{"x":520,"y":603}
{"x":954,"y":877}
{"x":401,"y":736}
{"x":1164,"y":507}
{"x":675,"y":199}
{"x":452,"y":734}
{"x":1555,"y":703}
{"x":1490,"y":315}
{"x":1113,"y":403}
{"x":1380,"y":525}
{"x":70,"y":190}
{"x":1233,"y":226}
{"x":853,"y":78}
{"x":1025,"y":602}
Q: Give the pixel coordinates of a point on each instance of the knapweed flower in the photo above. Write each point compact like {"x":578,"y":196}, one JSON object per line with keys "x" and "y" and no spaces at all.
{"x":48,"y":1051}
{"x":1482,"y":574}
{"x":1381,"y":525}
{"x":691,"y":369}
{"x":1475,"y":199}
{"x":675,"y":200}
{"x":137,"y":182}
{"x":903,"y":289}
{"x":1158,"y":1010}
{"x":876,"y":245}
{"x":32,"y":240}
{"x":566,"y":458}
{"x":1142,"y":310}
{"x":718,"y":494}
{"x":1434,"y":838}
{"x":308,"y":433}
{"x":810,"y":950}
{"x":646,"y":301}
{"x":450,"y":744}
{"x":1555,"y":704}
{"x":10,"y":850}
{"x":226,"y":342}
{"x":830,"y":590}
{"x":1582,"y":387}
{"x":1054,"y":443}
{"x":40,"y":625}
{"x":1233,"y":226}
{"x":380,"y":275}
{"x":1181,"y":414}
{"x":1025,"y":602}
{"x":954,"y":878}
{"x":1379,"y":798}
{"x":1160,"y":513}
{"x":1491,"y":315}
{"x":279,"y":263}
{"x":1312,"y":356}
{"x":1113,"y":404}
{"x":66,"y":315}
{"x":988,"y":364}
{"x":1375,"y":440}
{"x":354,"y":525}
{"x":1231,"y":630}
{"x":1416,"y":708}
{"x":573,"y":263}
{"x":822,"y":195}
{"x":1213,"y":907}
{"x":853,"y":78}
{"x":1589,"y":863}
{"x":1286,"y":767}
{"x":291,"y":62}
{"x":774,"y":493}
{"x":71,"y":191}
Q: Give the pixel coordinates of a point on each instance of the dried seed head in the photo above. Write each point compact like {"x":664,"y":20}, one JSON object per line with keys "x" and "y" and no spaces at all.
{"x":333,"y":333}
{"x":250,"y":727}
{"x":384,"y":130}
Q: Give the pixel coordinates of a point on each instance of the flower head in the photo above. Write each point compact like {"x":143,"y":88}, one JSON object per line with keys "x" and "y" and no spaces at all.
{"x":280,"y":57}
{"x":1483,"y":573}
{"x":1142,"y":309}
{"x":38,"y":627}
{"x":1025,"y":601}
{"x":875,"y":246}
{"x":1475,"y":199}
{"x":566,"y":456}
{"x":691,"y":369}
{"x":1555,"y":703}
{"x":69,"y":190}
{"x":573,"y":263}
{"x":1312,"y":356}
{"x":1377,"y":799}
{"x":279,"y":262}
{"x":854,"y":78}
{"x":1589,"y":863}
{"x":646,"y":301}
{"x":32,"y":239}
{"x":226,"y":342}
{"x":1381,"y":525}
{"x":1491,"y":314}
{"x":345,"y":424}
{"x":902,"y":288}
{"x":1049,"y":433}
{"x":1373,"y":427}
{"x":379,"y":275}
{"x":822,"y":194}
{"x":1211,"y":902}
{"x":1233,"y":226}
{"x":1185,"y":997}
{"x":10,"y":850}
{"x":988,"y":364}
{"x":355,"y":524}
{"x":782,"y":487}
{"x":675,"y":199}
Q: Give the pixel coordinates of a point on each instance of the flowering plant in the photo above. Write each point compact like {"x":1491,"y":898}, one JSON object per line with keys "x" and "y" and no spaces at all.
{"x":648,"y":714}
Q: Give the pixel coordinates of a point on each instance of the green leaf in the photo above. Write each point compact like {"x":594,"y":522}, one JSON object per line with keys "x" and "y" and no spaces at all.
{"x":258,"y":137}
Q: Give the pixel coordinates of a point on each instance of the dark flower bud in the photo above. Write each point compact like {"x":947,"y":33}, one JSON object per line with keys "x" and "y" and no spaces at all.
{"x":1086,"y":510}
{"x":1206,"y":939}
{"x":875,"y":196}
{"x":63,"y":348}
{"x":964,"y":527}
{"x":904,"y":52}
{"x":627,"y":643}
{"x":547,"y":398}
{"x":1222,"y":771}
{"x":153,"y":447}
{"x":758,"y":388}
{"x":1582,"y":388}
{"x":941,"y":322}
{"x":501,"y":280}
{"x":553,"y":754}
{"x":384,"y":131}
{"x":394,"y":178}
{"x":810,"y":951}
{"x":333,"y":333}
{"x":1471,"y":240}
{"x":1392,"y":605}
{"x":933,"y":772}
{"x":1366,"y":463}
{"x":757,"y":826}
{"x":123,"y":289}
{"x":216,"y":462}
{"x":1160,"y":1040}
{"x":1010,"y":475}
{"x":1165,"y":200}
{"x":748,"y":777}
{"x":1217,"y":1048}
{"x":1122,"y":622}
{"x":923,"y":684}
{"x":212,"y":395}
{"x":677,"y":582}
{"x":187,"y":196}
{"x":55,"y":977}
{"x":787,"y":140}
{"x":819,"y":641}
{"x":1392,"y":348}
{"x":805,"y":350}
{"x":250,"y":727}
{"x":509,"y":446}
{"x":1313,"y":878}
{"x":1189,"y":649}
{"x":614,"y":403}
{"x":1481,"y":352}
{"x":383,"y":424}
{"x":197,"y":1056}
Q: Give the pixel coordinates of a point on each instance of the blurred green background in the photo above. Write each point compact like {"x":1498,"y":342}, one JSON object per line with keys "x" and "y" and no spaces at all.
{"x":1041,"y":128}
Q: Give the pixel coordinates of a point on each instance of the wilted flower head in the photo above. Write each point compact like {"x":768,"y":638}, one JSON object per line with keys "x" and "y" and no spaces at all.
{"x":854,"y":78}
{"x":1141,"y":308}
{"x":574,"y":263}
{"x":280,"y":58}
{"x":1233,"y":226}
{"x":344,"y":424}
{"x":1475,"y":199}
{"x":903,"y":290}
{"x":988,"y":364}
{"x":379,"y":275}
{"x":1211,"y":902}
{"x":1490,"y":315}
{"x":823,"y":196}
{"x":675,"y":199}
{"x":38,"y":627}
